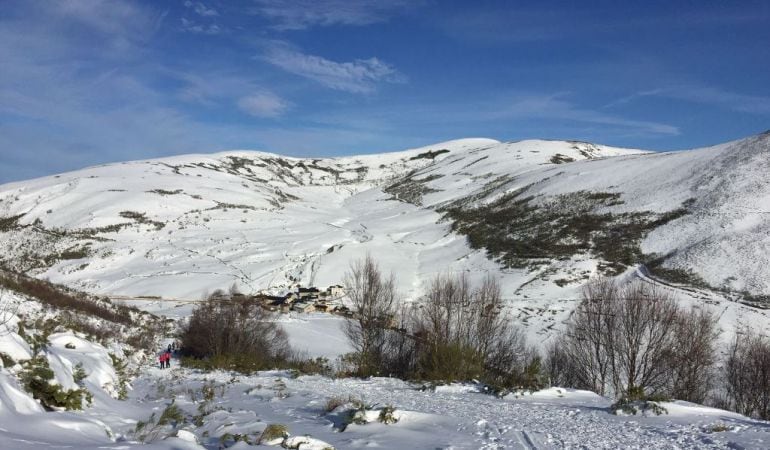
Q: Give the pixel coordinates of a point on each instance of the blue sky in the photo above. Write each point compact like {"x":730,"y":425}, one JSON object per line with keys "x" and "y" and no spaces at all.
{"x":84,"y":82}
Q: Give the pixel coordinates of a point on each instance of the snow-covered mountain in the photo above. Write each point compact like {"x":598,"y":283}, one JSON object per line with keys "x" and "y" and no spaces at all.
{"x":544,"y":215}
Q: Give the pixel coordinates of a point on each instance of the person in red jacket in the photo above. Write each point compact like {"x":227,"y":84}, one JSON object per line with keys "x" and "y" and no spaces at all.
{"x":162,"y":360}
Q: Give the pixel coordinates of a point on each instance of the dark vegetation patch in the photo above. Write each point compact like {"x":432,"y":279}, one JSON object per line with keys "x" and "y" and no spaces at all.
{"x":38,"y":379}
{"x":98,"y":319}
{"x":41,"y":247}
{"x":92,"y":232}
{"x":74,"y":252}
{"x":226,"y":206}
{"x":560,"y":159}
{"x":140,"y":217}
{"x":165,"y":192}
{"x":675,"y":275}
{"x":586,"y":149}
{"x":521,"y":231}
{"x":410,"y":189}
{"x":236,"y":163}
{"x":10,"y":223}
{"x":430,"y":154}
{"x":686,"y":277}
{"x":59,"y":297}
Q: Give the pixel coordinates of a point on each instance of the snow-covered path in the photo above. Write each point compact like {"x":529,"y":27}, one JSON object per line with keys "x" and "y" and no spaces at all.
{"x":456,"y":417}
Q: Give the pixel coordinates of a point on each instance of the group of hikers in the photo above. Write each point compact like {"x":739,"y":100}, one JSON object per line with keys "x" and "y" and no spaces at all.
{"x":165,"y":355}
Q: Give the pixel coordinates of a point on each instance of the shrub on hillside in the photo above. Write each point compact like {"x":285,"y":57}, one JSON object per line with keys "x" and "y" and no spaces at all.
{"x":457,"y":332}
{"x":38,"y":380}
{"x":623,"y":341}
{"x":463,"y":334}
{"x":234,"y":333}
{"x":60,"y":297}
{"x":747,"y":375}
{"x":373,"y":299}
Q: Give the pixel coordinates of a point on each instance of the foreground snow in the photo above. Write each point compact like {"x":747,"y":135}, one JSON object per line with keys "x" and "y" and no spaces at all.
{"x":451,"y":418}
{"x":219,"y":408}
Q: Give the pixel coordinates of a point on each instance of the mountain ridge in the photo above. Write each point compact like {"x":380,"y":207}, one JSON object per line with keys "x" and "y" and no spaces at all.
{"x":183,"y":225}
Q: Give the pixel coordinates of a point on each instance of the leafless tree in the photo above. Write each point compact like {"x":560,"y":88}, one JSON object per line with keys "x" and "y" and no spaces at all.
{"x":747,"y":375}
{"x":584,"y":356}
{"x":400,"y":349}
{"x":464,"y":333}
{"x":373,"y":299}
{"x":632,"y":341}
{"x":644,"y":340}
{"x":692,"y":370}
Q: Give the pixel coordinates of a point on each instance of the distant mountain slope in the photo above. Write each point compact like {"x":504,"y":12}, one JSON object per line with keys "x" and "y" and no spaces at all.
{"x":257,"y":219}
{"x":543,"y":215}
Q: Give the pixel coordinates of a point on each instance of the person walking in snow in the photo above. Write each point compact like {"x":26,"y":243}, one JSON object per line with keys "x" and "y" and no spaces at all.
{"x":162,"y":359}
{"x":168,"y":359}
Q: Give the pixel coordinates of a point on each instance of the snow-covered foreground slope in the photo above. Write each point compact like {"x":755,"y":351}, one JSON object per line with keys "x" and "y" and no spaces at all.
{"x":179,"y":227}
{"x":452,"y":417}
{"x":180,"y":408}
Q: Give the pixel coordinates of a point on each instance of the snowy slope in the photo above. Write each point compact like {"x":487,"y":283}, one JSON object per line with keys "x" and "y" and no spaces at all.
{"x":179,"y":227}
{"x":240,"y":406}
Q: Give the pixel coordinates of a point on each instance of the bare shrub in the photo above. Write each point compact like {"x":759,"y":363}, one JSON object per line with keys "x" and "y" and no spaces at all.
{"x":644,"y":341}
{"x":634,"y":342}
{"x":235,"y":334}
{"x":457,"y":331}
{"x":583,"y":356}
{"x":464,"y":334}
{"x":747,"y":375}
{"x":692,"y":370}
{"x":372,"y":296}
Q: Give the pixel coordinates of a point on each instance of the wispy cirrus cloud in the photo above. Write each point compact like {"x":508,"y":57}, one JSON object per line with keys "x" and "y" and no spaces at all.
{"x":555,"y":107}
{"x":204,"y":23}
{"x":114,"y":18}
{"x":302,"y":14}
{"x":192,"y":26}
{"x":359,"y":76}
{"x":263,"y":104}
{"x":753,"y":104}
{"x":201,"y":9}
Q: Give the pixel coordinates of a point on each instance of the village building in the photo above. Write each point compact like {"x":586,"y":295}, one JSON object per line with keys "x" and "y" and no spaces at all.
{"x":308,"y":293}
{"x":304,"y":307}
{"x":304,"y":299}
{"x":335,"y":291}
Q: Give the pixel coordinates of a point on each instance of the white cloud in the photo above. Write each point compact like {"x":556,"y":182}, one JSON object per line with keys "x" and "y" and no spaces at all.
{"x":301,"y":14}
{"x":117,"y":19}
{"x":358,"y":76}
{"x":194,"y":27}
{"x":201,"y":9}
{"x":753,"y":104}
{"x":553,"y":107}
{"x":263,"y":104}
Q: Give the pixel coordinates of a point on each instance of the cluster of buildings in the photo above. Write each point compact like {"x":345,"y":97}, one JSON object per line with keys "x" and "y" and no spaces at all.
{"x":306,"y":299}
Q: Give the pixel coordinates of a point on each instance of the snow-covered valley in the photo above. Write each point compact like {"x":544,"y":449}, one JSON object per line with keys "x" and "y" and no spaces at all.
{"x":542,"y":217}
{"x":177,"y":228}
